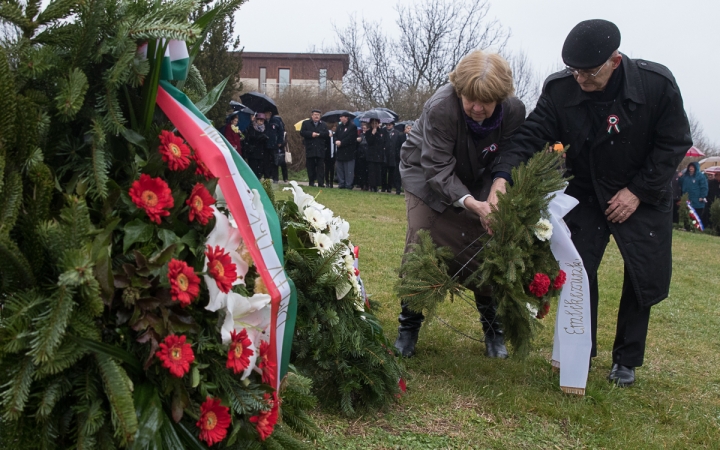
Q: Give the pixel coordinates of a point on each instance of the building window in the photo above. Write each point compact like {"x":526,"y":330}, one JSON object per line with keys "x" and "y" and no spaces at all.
{"x":262,"y":86}
{"x":323,"y":79}
{"x":283,"y":79}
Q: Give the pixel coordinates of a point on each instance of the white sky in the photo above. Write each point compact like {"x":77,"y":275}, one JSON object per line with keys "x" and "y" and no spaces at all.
{"x":684,"y":35}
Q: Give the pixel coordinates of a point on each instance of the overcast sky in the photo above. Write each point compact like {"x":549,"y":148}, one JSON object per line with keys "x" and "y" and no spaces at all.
{"x":684,"y":36}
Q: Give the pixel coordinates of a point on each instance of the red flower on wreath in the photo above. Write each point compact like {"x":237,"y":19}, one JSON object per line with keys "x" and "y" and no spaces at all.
{"x":559,"y":280}
{"x":265,"y":420}
{"x":221,"y":268}
{"x":184,"y":284}
{"x":543,"y":310}
{"x":199,"y":203}
{"x":202,"y":168}
{"x":175,"y":355}
{"x":153,"y":195}
{"x":214,"y":421}
{"x":239,"y":352}
{"x":540,"y":285}
{"x":267,"y":367}
{"x":174,"y":151}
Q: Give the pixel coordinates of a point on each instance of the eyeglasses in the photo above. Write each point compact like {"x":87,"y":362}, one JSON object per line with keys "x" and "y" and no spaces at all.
{"x":586,"y":73}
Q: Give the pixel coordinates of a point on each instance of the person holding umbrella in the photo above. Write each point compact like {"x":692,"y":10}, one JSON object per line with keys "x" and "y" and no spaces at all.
{"x":346,"y":144}
{"x":316,"y":138}
{"x":452,"y":170}
{"x":376,"y":138}
{"x":391,"y":171}
{"x":255,"y":143}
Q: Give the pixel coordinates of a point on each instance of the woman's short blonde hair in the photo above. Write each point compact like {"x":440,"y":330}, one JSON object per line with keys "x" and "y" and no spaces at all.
{"x":483,"y":77}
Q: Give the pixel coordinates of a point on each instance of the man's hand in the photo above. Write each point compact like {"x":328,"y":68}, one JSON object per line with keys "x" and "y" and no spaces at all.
{"x":622,"y":205}
{"x":315,"y":134}
{"x":337,"y":143}
{"x":482,"y":209}
{"x":499,"y":185}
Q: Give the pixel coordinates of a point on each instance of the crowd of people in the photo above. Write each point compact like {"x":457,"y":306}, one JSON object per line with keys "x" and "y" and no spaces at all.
{"x":701,"y":188}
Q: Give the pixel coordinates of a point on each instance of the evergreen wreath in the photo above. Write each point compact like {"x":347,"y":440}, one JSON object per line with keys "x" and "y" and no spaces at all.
{"x":516,"y":261}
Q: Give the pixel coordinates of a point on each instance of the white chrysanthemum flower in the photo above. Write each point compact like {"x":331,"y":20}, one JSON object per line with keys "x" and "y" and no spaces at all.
{"x":533,"y":310}
{"x":322,"y":242}
{"x":315,"y":218}
{"x":349,"y":263}
{"x":543,"y":229}
{"x":301,"y":199}
{"x":251,"y":314}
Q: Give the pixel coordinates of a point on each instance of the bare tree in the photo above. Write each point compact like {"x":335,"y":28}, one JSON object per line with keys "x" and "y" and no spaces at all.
{"x":528,"y":83}
{"x":700,"y":140}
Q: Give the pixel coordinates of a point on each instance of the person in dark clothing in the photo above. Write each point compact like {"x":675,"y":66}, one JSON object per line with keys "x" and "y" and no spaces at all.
{"x":276,"y":153}
{"x":627,"y":131}
{"x":695,"y":184}
{"x":330,"y":152}
{"x":316,"y":138}
{"x":232,"y":133}
{"x":376,"y":138}
{"x":361,"y":168}
{"x":255,"y":143}
{"x":391,"y":174}
{"x":712,"y":195}
{"x":346,"y":145}
{"x":271,"y":147}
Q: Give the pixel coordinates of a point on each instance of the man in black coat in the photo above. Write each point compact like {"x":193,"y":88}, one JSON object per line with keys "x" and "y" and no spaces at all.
{"x":316,"y":137}
{"x":627,"y":130}
{"x":396,"y":139}
{"x":346,"y":144}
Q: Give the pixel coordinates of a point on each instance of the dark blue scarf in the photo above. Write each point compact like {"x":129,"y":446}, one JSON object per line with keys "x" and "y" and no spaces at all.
{"x":483,"y":130}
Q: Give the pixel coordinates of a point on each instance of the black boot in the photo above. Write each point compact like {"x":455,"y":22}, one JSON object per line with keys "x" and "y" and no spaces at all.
{"x":492,"y":328}
{"x":410,"y":322}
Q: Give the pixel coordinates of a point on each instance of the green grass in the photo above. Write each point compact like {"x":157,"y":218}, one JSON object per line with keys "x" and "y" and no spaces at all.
{"x":457,"y":398}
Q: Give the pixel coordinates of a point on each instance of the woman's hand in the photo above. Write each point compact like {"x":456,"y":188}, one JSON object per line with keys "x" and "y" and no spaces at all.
{"x":482,"y":209}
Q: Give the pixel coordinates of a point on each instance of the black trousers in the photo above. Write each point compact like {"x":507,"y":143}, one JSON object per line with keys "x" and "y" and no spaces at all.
{"x":315,"y":170}
{"x":591,"y":234}
{"x":257,"y":166}
{"x":329,"y":171}
{"x":387,"y":175}
{"x":269,"y":166}
{"x":374,"y":172}
{"x":361,"y":173}
{"x":397,"y":182}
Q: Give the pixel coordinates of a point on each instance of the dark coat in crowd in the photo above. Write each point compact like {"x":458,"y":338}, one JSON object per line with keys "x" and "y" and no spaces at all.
{"x":272,"y":131}
{"x":695,"y":186}
{"x":315,"y":147}
{"x":395,"y":141}
{"x":639,"y":149}
{"x":347,"y":135}
{"x":376,"y":145}
{"x":254,"y":143}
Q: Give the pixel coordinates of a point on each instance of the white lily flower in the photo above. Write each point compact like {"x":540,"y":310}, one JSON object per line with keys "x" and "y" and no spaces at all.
{"x":327,"y":215}
{"x":315,"y":218}
{"x":343,"y":227}
{"x":543,"y":229}
{"x":322,"y":242}
{"x":251,"y":314}
{"x":301,"y":199}
{"x":226,"y":237}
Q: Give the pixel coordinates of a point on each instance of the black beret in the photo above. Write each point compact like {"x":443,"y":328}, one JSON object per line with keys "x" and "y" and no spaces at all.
{"x":315,"y":111}
{"x":590,"y":44}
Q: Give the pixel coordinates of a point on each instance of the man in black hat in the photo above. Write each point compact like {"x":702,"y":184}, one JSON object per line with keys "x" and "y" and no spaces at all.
{"x":346,"y":144}
{"x":627,"y":130}
{"x":316,"y":137}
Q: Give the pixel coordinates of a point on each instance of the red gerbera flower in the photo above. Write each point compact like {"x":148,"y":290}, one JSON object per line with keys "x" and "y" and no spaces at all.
{"x":199,"y":203}
{"x":174,"y":151}
{"x":267,"y":367}
{"x":153,"y":195}
{"x":221,"y":268}
{"x":214,"y":421}
{"x":543,"y":311}
{"x":184,"y":284}
{"x":239,"y":352}
{"x":202,"y":168}
{"x":175,"y":355}
{"x":559,"y":280}
{"x":540,"y":285}
{"x":265,"y":420}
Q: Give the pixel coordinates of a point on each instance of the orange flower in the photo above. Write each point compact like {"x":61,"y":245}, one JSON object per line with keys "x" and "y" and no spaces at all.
{"x":174,"y":151}
{"x":153,"y":195}
{"x":265,"y":421}
{"x":199,"y":203}
{"x":184,"y":284}
{"x":175,"y":355}
{"x":202,"y":168}
{"x":214,"y":421}
{"x":221,"y":268}
{"x":267,"y":367}
{"x":239,"y":352}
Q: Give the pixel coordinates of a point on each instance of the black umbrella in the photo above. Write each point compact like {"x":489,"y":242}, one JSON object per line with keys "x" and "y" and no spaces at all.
{"x":239,"y":107}
{"x":259,"y":102}
{"x":334,"y":116}
{"x":387,"y":110}
{"x":378,"y":114}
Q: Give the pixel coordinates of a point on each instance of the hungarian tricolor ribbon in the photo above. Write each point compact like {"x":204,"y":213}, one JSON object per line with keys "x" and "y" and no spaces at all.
{"x":257,"y":221}
{"x":695,"y":217}
{"x":613,"y":121}
{"x":175,"y":62}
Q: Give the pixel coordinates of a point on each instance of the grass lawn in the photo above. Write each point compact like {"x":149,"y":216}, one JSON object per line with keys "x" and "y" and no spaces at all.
{"x":457,"y":398}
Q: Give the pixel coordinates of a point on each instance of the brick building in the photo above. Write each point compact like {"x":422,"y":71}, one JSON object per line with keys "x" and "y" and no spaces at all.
{"x":272,"y":73}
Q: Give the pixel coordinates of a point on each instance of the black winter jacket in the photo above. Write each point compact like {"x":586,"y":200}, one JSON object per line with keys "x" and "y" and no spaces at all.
{"x":315,"y":147}
{"x":347,"y":135}
{"x":376,"y":145}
